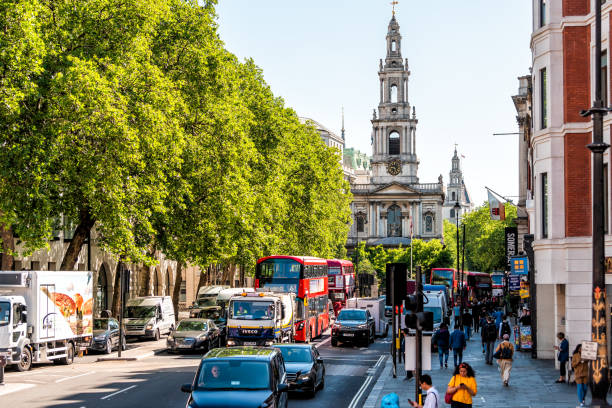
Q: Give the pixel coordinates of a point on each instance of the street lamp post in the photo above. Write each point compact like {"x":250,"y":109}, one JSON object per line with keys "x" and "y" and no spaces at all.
{"x":361,"y":220}
{"x":598,"y":369}
{"x":457,"y":208}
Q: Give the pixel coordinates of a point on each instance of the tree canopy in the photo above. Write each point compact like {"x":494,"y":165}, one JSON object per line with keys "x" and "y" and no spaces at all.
{"x":131,"y":118}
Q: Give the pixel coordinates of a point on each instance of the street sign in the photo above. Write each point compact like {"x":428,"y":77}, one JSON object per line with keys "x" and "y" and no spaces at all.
{"x":524,"y":293}
{"x":511,"y":240}
{"x":589,"y":350}
{"x":519,"y":265}
{"x":514,"y":283}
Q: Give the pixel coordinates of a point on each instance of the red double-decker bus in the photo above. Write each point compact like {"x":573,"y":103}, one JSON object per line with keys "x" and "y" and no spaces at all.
{"x":307,"y":278}
{"x":341,"y":282}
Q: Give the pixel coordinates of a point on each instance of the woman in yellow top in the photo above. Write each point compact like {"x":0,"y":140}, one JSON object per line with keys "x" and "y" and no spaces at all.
{"x":462,"y":386}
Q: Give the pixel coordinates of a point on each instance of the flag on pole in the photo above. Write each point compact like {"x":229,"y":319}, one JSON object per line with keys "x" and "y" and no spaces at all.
{"x":497,"y":210}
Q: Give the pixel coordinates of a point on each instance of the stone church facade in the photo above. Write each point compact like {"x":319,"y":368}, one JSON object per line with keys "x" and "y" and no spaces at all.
{"x":385,"y":202}
{"x":456,"y":192}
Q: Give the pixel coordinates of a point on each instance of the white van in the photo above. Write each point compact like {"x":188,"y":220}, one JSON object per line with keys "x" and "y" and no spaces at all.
{"x":436,"y":303}
{"x":224,"y":296}
{"x":149,"y":316}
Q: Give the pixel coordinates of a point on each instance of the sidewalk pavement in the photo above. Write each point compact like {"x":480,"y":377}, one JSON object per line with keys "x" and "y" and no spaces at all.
{"x":532,"y":382}
{"x":143,"y":350}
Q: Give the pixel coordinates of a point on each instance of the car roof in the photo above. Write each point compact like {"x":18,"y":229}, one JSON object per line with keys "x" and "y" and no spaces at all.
{"x":352,"y":308}
{"x":293,"y":345}
{"x":242,"y":352}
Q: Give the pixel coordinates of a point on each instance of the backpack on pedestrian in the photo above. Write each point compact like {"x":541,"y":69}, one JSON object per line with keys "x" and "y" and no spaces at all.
{"x":505,"y":329}
{"x":491,"y":332}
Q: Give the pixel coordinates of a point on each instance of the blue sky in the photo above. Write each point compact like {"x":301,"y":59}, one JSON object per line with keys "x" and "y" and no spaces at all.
{"x":465,"y":57}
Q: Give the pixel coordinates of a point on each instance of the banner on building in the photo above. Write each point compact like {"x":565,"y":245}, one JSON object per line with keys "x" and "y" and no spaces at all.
{"x":519,"y":265}
{"x":511,"y":242}
{"x":497,"y":211}
{"x":514,"y":283}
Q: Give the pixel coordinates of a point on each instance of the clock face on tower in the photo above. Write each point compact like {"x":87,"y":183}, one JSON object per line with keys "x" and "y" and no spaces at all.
{"x":394,"y":167}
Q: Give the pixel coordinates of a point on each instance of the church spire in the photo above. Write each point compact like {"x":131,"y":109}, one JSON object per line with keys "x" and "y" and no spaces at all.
{"x":343,"y":123}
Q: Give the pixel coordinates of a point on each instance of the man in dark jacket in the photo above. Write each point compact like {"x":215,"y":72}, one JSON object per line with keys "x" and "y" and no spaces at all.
{"x":442,"y":340}
{"x":457,"y":343}
{"x":466,"y":319}
{"x":489,"y":335}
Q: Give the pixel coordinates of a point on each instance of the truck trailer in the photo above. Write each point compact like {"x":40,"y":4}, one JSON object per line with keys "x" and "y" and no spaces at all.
{"x":45,"y":316}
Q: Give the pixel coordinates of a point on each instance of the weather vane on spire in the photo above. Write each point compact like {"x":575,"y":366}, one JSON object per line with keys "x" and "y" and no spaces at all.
{"x":393,"y":3}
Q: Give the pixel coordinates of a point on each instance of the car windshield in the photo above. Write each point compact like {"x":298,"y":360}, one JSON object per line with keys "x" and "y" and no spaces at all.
{"x":252,"y":310}
{"x":214,"y":315}
{"x":437,"y":313}
{"x":352,"y":315}
{"x":191,"y":326}
{"x":296,"y":354}
{"x":5,"y":313}
{"x":206,"y":301}
{"x":233,"y":375}
{"x":100,"y":324}
{"x":140,"y":311}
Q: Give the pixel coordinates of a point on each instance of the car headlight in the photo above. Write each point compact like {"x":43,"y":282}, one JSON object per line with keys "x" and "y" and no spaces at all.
{"x":100,"y":338}
{"x":337,"y":326}
{"x":304,"y":377}
{"x":149,"y":326}
{"x":269,"y":342}
{"x":231,"y":343}
{"x":362,"y":326}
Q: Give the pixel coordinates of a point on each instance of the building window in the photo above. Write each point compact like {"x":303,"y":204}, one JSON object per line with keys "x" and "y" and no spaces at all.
{"x":394,"y":143}
{"x":361,"y":220}
{"x":544,"y":185}
{"x":393,"y":93}
{"x":102,"y":290}
{"x":606,"y":199}
{"x":542,"y":13}
{"x":183,"y":294}
{"x":543,"y":107}
{"x":428,"y":223}
{"x":394,"y":221}
{"x":454,"y":199}
{"x":604,"y":77}
{"x":393,"y":46}
{"x":452,"y":213}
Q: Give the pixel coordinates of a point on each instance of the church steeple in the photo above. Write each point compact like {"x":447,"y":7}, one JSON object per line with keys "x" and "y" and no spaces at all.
{"x":394,"y":129}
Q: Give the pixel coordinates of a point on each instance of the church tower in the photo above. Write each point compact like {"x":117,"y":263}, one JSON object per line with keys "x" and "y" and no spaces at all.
{"x":394,"y":127}
{"x":456,"y":191}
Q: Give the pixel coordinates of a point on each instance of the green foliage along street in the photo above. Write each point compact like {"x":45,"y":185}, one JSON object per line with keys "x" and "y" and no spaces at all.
{"x":131,"y":119}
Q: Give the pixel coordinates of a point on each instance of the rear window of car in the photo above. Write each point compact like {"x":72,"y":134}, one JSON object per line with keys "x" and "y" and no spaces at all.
{"x":352,"y":315}
{"x":234,"y":375}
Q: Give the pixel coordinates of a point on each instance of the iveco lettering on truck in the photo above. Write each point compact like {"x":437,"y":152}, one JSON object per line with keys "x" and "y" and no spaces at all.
{"x":44,"y":315}
{"x":260,"y":319}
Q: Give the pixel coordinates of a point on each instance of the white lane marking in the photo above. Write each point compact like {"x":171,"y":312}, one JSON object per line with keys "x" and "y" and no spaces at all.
{"x":380,"y":360}
{"x":118,"y":392}
{"x":323,"y":342}
{"x":74,"y":376}
{"x":359,"y":394}
{"x":9,"y":388}
{"x":36,"y":381}
{"x":347,"y":359}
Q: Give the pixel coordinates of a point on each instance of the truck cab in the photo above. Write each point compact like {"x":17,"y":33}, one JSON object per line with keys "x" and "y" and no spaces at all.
{"x":13,"y":326}
{"x":260,"y":319}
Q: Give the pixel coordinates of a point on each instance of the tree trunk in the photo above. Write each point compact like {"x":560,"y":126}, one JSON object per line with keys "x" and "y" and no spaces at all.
{"x":176,"y":293}
{"x":8,"y":246}
{"x":71,"y":256}
{"x":242,"y":276}
{"x":116,"y":293}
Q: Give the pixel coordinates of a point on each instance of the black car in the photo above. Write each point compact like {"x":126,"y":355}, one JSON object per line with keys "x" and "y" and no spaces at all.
{"x":305,"y":368}
{"x":217,"y":315}
{"x":106,"y":335}
{"x":245,"y":377}
{"x":355,"y":326}
{"x":194,"y":335}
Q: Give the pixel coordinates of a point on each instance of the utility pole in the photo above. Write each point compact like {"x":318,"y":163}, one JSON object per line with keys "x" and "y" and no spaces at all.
{"x":598,"y":369}
{"x":418,"y":336}
{"x":121,"y":303}
{"x":463,"y":301}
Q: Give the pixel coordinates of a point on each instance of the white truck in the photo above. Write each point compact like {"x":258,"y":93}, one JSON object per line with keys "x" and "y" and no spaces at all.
{"x":149,"y":316}
{"x":260,"y":319}
{"x":376,"y":306}
{"x":45,"y":316}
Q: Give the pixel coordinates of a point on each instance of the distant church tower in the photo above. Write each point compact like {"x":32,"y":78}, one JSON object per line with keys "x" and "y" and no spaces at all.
{"x":456,"y":192}
{"x":394,"y":128}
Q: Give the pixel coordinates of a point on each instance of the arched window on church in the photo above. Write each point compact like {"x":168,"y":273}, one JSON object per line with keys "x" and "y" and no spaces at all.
{"x":452,"y":213}
{"x":393,"y":93}
{"x":102,"y":290}
{"x":361,"y":221}
{"x":394,"y":143}
{"x":394,"y":221}
{"x":428,"y":223}
{"x":454,"y":197}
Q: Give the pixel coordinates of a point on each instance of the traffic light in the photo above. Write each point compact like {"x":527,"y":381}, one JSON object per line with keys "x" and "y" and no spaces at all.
{"x":425,"y":321}
{"x":395,"y":283}
{"x":411,"y":303}
{"x":411,"y":320}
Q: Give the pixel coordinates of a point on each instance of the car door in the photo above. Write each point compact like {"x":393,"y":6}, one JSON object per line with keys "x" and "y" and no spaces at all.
{"x":281,"y":379}
{"x":317,"y":365}
{"x":113,"y":327}
{"x":213,"y":333}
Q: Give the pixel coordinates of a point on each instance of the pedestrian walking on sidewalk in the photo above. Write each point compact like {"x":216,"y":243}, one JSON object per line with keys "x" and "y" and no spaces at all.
{"x":466,"y":318}
{"x":442,"y":339}
{"x":432,"y":400}
{"x":581,"y":373}
{"x":563,"y":356}
{"x":505,"y":328}
{"x":462,"y":386}
{"x":458,"y":344}
{"x":498,"y":315}
{"x":504,"y":354}
{"x":476,"y":310}
{"x":482,"y":324}
{"x":489,"y":333}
